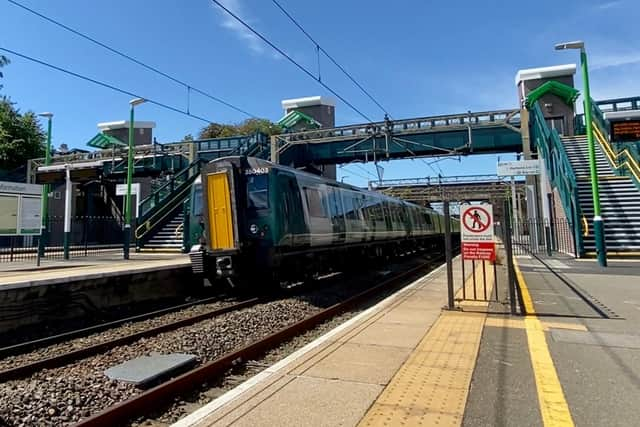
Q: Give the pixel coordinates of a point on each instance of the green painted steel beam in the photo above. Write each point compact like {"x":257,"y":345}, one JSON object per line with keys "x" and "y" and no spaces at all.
{"x":565,"y":92}
{"x":484,"y":141}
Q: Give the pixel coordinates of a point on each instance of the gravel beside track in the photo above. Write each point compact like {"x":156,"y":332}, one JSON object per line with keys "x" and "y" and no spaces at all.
{"x":64,"y":395}
{"x":100,"y":337}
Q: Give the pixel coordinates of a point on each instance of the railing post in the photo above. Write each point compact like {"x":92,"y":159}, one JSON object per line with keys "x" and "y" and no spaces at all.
{"x":186,"y":224}
{"x":448,"y":253}
{"x":509,"y":254}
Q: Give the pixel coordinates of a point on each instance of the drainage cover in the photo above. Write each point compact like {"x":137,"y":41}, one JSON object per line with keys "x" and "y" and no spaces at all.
{"x":148,"y":368}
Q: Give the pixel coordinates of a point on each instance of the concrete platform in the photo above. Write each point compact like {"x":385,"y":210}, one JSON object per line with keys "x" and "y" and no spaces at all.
{"x":573,"y":360}
{"x":337,"y":379}
{"x":26,"y":274}
{"x":60,"y":290}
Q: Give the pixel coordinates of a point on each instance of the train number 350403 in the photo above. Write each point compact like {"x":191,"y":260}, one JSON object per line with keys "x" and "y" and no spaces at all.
{"x":256,"y":171}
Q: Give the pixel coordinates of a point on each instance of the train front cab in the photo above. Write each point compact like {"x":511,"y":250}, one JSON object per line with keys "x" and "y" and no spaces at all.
{"x":238,"y":228}
{"x":219,"y":245}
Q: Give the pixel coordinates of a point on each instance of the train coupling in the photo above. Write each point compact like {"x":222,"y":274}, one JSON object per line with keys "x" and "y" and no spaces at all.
{"x":224,"y":266}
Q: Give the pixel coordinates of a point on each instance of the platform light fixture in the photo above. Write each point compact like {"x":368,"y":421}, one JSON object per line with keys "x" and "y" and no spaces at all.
{"x":598,"y":221}
{"x":42,"y":242}
{"x":127,"y":206}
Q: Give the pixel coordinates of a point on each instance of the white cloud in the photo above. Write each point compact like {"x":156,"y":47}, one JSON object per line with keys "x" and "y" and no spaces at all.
{"x":607,"y":60}
{"x":609,"y":5}
{"x":229,"y":22}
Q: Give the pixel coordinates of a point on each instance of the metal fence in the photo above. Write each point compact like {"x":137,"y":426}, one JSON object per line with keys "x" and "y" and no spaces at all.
{"x":89,"y":236}
{"x":541,"y":236}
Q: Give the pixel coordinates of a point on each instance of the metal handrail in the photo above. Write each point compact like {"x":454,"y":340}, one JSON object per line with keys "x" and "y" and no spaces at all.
{"x":619,"y":159}
{"x":551,"y":147}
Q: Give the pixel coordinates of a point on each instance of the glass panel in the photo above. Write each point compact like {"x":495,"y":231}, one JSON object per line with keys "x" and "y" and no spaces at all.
{"x":258,"y":191}
{"x":196,"y":208}
{"x":314,"y":202}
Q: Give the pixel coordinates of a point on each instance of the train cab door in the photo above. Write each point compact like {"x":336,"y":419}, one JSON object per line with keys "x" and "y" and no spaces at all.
{"x":294,"y":227}
{"x":220,"y":212}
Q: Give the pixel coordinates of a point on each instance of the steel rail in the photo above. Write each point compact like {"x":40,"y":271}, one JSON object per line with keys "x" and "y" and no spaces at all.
{"x":148,"y":400}
{"x":65,"y":358}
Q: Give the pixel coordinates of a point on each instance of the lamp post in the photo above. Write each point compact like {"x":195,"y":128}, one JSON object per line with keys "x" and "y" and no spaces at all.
{"x":45,"y":189}
{"x":127,"y":203}
{"x":598,"y":222}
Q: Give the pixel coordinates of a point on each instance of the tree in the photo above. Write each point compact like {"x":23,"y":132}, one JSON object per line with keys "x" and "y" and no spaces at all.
{"x":247,"y":127}
{"x":251,"y":126}
{"x":3,"y":61}
{"x":217,"y":130}
{"x":21,"y":137}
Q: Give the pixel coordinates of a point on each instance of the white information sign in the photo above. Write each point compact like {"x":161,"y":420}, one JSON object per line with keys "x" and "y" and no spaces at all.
{"x":121,"y":189}
{"x":30,"y":215}
{"x":477,"y":223}
{"x":519,"y":168}
{"x":20,"y":209}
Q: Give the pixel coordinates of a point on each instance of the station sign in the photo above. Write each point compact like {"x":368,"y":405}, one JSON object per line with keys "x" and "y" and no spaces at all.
{"x":519,"y":168}
{"x":20,"y":209}
{"x":479,"y":251}
{"x":625,"y":131}
{"x":477,"y":235}
{"x":121,"y":189}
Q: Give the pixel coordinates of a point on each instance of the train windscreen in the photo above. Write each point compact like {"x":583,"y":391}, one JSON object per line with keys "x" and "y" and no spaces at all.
{"x":258,"y":191}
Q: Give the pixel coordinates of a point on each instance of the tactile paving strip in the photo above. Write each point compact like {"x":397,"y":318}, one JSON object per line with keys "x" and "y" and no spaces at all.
{"x":431,"y":388}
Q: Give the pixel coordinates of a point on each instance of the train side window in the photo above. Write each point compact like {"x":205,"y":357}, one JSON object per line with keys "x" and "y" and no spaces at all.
{"x":258,"y":191}
{"x":196,"y":202}
{"x":314,"y":202}
{"x":427,"y":219}
{"x":349,"y":207}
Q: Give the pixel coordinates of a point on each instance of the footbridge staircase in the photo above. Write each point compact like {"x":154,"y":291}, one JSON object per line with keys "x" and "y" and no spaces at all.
{"x":567,"y":164}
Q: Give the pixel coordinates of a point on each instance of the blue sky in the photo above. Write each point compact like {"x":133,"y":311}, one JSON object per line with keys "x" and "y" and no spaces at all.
{"x":417,"y":57}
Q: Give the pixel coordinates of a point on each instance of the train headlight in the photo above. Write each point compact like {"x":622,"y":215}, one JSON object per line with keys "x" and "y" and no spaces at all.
{"x":253,"y":228}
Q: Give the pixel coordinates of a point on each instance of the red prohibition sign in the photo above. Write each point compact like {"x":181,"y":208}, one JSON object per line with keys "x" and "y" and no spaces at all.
{"x":475,"y":215}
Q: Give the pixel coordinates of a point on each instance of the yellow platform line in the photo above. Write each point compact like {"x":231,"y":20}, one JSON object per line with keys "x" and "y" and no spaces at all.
{"x":553,"y":405}
{"x":431,"y":388}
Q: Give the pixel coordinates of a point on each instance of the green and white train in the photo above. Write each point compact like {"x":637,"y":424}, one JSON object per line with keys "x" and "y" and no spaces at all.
{"x":259,"y":223}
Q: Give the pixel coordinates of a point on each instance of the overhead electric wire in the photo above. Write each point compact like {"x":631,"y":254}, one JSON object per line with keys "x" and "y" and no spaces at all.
{"x":290,"y":59}
{"x":132,"y":59}
{"x":103,"y":84}
{"x":321,"y":49}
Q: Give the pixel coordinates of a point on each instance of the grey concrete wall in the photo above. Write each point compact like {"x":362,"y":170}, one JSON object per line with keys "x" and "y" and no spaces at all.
{"x":326,"y":116}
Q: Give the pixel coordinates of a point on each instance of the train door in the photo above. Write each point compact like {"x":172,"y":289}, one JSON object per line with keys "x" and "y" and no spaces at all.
{"x":220,"y":214}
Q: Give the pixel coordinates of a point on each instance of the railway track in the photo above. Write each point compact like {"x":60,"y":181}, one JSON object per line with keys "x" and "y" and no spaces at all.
{"x":81,"y":353}
{"x":24,"y":347}
{"x":141,"y":404}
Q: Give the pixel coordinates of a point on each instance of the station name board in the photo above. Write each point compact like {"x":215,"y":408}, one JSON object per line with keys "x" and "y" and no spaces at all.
{"x":625,"y":131}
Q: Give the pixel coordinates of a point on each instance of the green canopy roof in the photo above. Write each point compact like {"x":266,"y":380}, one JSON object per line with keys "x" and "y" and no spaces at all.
{"x":105,"y":141}
{"x":294,"y":117}
{"x":567,"y":93}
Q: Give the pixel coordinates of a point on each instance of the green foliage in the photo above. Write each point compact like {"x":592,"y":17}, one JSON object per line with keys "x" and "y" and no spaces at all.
{"x":247,"y":127}
{"x":21,"y":137}
{"x":3,"y":61}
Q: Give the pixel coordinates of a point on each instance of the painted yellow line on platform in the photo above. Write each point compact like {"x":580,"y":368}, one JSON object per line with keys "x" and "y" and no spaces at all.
{"x":553,"y":405}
